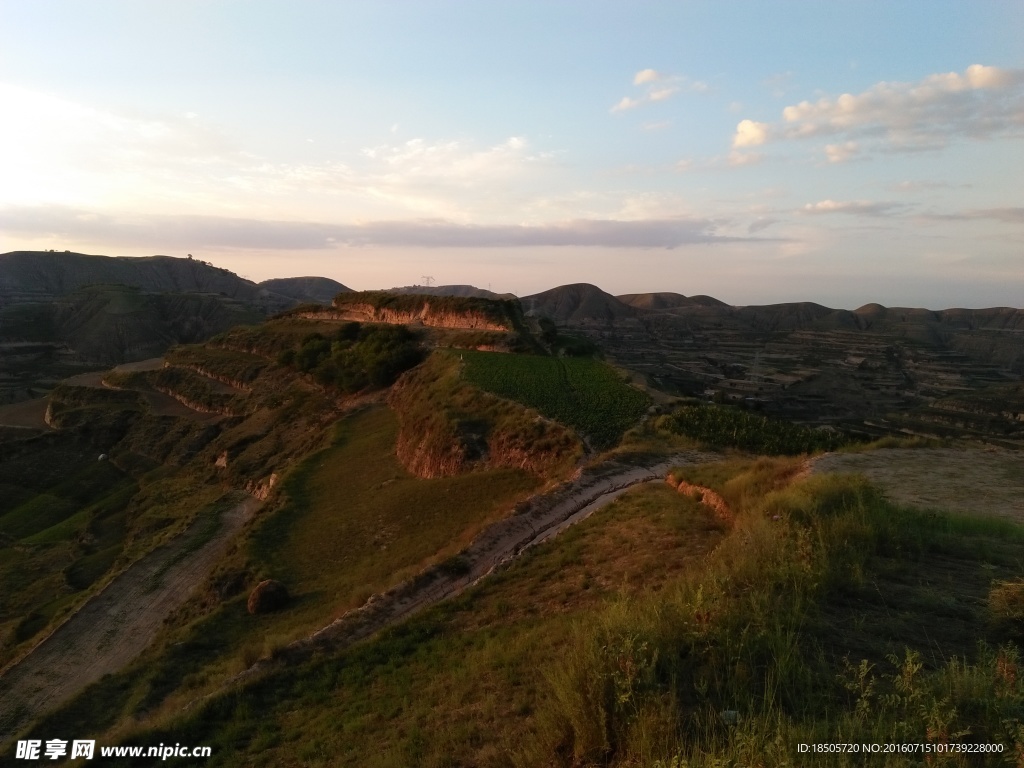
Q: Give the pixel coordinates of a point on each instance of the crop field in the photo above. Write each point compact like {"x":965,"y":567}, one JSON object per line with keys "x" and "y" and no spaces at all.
{"x":724,"y":427}
{"x":581,"y":392}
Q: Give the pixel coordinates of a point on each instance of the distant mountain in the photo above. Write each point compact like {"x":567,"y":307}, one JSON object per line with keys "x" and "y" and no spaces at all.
{"x":577,"y":303}
{"x":64,"y":312}
{"x":465,"y":291}
{"x":39,"y":274}
{"x":320,"y":290}
{"x":668,"y":300}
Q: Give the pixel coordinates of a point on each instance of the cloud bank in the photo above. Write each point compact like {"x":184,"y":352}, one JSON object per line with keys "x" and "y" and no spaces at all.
{"x":190,"y":232}
{"x":981,"y":103}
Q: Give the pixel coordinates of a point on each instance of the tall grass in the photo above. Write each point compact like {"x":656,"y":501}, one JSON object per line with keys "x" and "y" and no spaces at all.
{"x":729,"y":667}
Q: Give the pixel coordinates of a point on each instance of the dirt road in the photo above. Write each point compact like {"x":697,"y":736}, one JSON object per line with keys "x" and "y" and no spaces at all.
{"x":116,"y":625}
{"x":533,"y":522}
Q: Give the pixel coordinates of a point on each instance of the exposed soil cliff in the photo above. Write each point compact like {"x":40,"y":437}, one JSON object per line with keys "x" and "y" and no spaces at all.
{"x":424,"y":316}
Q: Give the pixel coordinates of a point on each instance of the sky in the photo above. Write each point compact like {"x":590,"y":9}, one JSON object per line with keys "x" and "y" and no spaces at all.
{"x":758,"y":152}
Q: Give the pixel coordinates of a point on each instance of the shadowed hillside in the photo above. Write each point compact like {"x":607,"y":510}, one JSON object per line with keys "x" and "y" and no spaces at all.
{"x":320,"y":290}
{"x":668,"y":300}
{"x":577,"y":303}
{"x":65,"y":313}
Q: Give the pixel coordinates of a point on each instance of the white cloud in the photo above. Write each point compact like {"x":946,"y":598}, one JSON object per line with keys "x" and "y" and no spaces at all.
{"x":662,"y":93}
{"x":627,"y":103}
{"x":853,"y":207}
{"x":58,"y":148}
{"x":983,"y":102}
{"x":840,"y":153}
{"x":646,"y":76}
{"x":63,"y":152}
{"x":750,"y":134}
{"x":737,"y":159}
{"x":657,"y":86}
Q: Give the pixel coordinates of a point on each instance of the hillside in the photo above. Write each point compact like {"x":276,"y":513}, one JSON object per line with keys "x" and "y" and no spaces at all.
{"x":577,"y":303}
{"x":318,"y":290}
{"x":468,"y":291}
{"x":668,"y":300}
{"x":38,"y":275}
{"x":64,"y":313}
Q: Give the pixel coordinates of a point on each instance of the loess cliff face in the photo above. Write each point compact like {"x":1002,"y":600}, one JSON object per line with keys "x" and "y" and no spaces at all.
{"x":427,"y":315}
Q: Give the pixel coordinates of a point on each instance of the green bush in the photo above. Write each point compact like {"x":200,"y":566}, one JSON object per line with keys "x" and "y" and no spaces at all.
{"x":357,"y":356}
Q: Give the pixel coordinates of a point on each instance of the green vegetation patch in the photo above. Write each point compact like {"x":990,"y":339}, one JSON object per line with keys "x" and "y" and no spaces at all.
{"x":583,"y":393}
{"x":356,"y":356}
{"x":724,"y":427}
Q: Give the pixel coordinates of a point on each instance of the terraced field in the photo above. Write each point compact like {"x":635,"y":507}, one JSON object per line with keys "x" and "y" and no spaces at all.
{"x":581,"y":392}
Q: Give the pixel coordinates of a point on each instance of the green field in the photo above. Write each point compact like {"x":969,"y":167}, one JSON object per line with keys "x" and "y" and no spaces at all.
{"x":583,"y":393}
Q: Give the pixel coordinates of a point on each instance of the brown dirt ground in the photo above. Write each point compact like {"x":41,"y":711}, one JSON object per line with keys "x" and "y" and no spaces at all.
{"x":27,"y":414}
{"x":976,"y":480}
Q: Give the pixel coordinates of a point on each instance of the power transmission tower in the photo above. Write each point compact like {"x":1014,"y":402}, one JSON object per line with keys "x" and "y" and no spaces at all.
{"x":427,"y":279}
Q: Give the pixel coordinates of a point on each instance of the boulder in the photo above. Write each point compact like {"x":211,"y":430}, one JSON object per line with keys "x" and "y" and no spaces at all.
{"x":268,"y":595}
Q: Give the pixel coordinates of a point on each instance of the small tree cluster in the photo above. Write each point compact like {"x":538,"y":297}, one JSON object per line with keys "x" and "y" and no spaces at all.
{"x":356,"y":357}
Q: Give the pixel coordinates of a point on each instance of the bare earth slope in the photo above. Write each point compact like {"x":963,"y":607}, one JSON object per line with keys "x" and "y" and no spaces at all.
{"x":117,"y":624}
{"x":983,"y":481}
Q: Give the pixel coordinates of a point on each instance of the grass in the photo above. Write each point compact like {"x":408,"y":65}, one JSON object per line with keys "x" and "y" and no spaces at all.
{"x":57,"y":543}
{"x":357,"y":522}
{"x":583,"y":393}
{"x":457,"y":684}
{"x":824,"y":614}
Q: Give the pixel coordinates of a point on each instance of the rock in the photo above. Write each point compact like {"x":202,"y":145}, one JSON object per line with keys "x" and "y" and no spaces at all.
{"x":268,"y":595}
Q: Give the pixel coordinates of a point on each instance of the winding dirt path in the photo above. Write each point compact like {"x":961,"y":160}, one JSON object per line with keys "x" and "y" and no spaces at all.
{"x":116,"y":624}
{"x":534,"y":521}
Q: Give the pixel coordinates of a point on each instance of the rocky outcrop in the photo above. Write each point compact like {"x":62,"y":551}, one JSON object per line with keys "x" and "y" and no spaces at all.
{"x":261,"y":488}
{"x":704,"y":496}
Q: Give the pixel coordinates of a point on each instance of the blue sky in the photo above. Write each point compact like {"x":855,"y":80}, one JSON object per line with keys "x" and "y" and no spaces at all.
{"x":758,"y":152}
